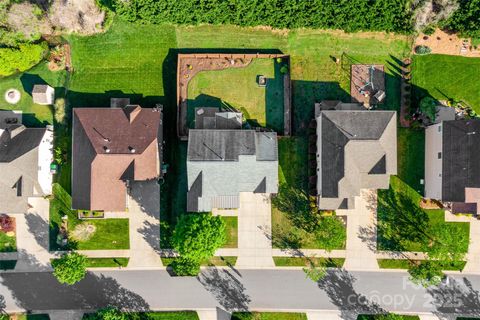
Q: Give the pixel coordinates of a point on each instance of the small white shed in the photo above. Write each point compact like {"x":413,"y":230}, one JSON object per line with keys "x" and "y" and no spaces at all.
{"x":43,"y":94}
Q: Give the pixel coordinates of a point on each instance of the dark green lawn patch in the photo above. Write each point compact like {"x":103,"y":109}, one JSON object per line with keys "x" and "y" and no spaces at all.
{"x":8,"y":244}
{"x":268,"y":316}
{"x":106,"y":262}
{"x":8,"y":264}
{"x":110,"y":233}
{"x":213,"y":261}
{"x":305,"y":261}
{"x":231,"y":230}
{"x":376,"y":317}
{"x":445,"y":77}
{"x":411,"y":157}
{"x":406,"y":264}
{"x":404,"y":226}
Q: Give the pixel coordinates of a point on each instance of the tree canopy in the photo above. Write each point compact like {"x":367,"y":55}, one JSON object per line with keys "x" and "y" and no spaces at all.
{"x":426,"y":273}
{"x":70,"y":268}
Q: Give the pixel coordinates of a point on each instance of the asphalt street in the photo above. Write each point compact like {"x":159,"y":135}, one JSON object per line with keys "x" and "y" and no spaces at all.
{"x":231,"y":289}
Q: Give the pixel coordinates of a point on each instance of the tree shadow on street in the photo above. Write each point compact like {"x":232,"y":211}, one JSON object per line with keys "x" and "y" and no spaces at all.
{"x":454,"y":298}
{"x":338,"y":285}
{"x":226,"y":288}
{"x":42,"y":291}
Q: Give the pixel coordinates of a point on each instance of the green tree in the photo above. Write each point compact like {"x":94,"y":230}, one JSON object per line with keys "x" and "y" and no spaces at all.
{"x":426,"y":273}
{"x":428,"y":106}
{"x":70,"y":268}
{"x":331,"y":233}
{"x":196,"y":237}
{"x":466,"y":19}
{"x":449,"y":242}
{"x":22,"y":58}
{"x":108,"y":313}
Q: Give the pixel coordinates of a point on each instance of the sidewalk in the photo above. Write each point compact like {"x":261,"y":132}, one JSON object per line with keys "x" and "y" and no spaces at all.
{"x":473,"y":255}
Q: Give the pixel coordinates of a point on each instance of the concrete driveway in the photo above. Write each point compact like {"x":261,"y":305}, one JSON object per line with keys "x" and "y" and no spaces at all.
{"x":144,"y":215}
{"x":362,"y":232}
{"x":255,"y":231}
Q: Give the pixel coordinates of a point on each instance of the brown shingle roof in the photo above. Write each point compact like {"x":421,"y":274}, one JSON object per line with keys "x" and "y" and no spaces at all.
{"x":110,"y":146}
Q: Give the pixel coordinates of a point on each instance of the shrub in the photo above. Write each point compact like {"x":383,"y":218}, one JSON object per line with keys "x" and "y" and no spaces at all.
{"x":59,"y":107}
{"x":108,"y":313}
{"x":349,"y":15}
{"x":428,"y":106}
{"x":70,"y":268}
{"x":21,"y":59}
{"x":422,"y":50}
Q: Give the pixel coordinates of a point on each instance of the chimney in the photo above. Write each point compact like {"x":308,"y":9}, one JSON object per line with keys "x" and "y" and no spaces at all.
{"x":132,"y":111}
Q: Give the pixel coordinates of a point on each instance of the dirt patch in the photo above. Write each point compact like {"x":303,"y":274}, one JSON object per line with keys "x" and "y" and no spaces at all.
{"x":80,"y":16}
{"x":444,"y":43}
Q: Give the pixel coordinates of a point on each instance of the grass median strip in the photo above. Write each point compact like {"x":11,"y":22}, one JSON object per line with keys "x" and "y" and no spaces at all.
{"x":213,"y":261}
{"x":405,"y":264}
{"x":268,"y":316}
{"x":107,"y":262}
{"x":305,"y":261}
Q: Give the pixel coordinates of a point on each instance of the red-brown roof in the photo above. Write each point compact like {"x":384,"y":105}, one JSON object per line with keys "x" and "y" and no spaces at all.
{"x":109,"y":147}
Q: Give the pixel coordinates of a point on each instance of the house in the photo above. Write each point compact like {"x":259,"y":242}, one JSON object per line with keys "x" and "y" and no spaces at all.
{"x":452,"y":164}
{"x":223,"y":163}
{"x":25,"y":158}
{"x":111,"y":147}
{"x":43,"y":94}
{"x":356,"y":149}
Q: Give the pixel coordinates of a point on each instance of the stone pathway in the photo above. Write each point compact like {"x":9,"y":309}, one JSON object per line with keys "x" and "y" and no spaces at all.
{"x":144,"y":214}
{"x":254,"y":231}
{"x":362,"y":233}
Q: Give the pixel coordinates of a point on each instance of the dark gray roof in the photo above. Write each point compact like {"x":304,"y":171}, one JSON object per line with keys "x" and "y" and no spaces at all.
{"x":461,"y":158}
{"x":18,"y":140}
{"x":227,"y":145}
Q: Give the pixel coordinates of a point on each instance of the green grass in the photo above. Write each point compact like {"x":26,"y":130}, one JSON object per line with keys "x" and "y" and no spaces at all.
{"x":411,"y":157}
{"x":106,"y":262}
{"x":238,"y":87}
{"x":231,"y":229}
{"x":375,"y":317}
{"x":447,"y":77}
{"x":110,"y":233}
{"x":33,"y":317}
{"x":8,"y":264}
{"x":213,"y":261}
{"x":34,"y":115}
{"x":304,"y":261}
{"x":405,"y":264}
{"x":268,"y":316}
{"x":435,"y":217}
{"x":8,"y":244}
{"x":165,"y":315}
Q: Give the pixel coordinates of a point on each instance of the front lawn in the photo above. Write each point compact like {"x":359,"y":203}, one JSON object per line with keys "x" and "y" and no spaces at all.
{"x":447,"y":77}
{"x":404,"y":226}
{"x":268,"y":316}
{"x":7,"y":243}
{"x":238,"y":88}
{"x":109,"y":233}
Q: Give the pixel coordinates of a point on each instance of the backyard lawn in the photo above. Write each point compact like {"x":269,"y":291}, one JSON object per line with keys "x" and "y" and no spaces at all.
{"x":411,"y":157}
{"x":447,"y":77}
{"x":34,"y":115}
{"x":237,"y":87}
{"x":109,"y":233}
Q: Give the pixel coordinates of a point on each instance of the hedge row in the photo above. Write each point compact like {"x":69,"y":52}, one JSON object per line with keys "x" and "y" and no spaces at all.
{"x":22,"y":58}
{"x":349,"y":15}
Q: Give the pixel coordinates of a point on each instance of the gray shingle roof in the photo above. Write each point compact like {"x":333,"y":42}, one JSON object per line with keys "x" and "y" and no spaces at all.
{"x":356,"y":149}
{"x":223,"y":163}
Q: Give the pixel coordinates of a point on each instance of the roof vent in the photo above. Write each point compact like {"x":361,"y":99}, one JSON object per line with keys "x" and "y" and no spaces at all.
{"x":107,"y":149}
{"x":132,"y":149}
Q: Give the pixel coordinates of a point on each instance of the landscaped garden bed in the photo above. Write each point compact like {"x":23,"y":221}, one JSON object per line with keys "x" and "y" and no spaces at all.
{"x":8,"y":239}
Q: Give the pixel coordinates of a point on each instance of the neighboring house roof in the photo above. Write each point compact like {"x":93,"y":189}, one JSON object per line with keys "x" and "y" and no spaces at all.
{"x":461,"y":158}
{"x":356,"y":150}
{"x":43,"y":94}
{"x":111,"y":146}
{"x":19,"y":167}
{"x":223,"y":163}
